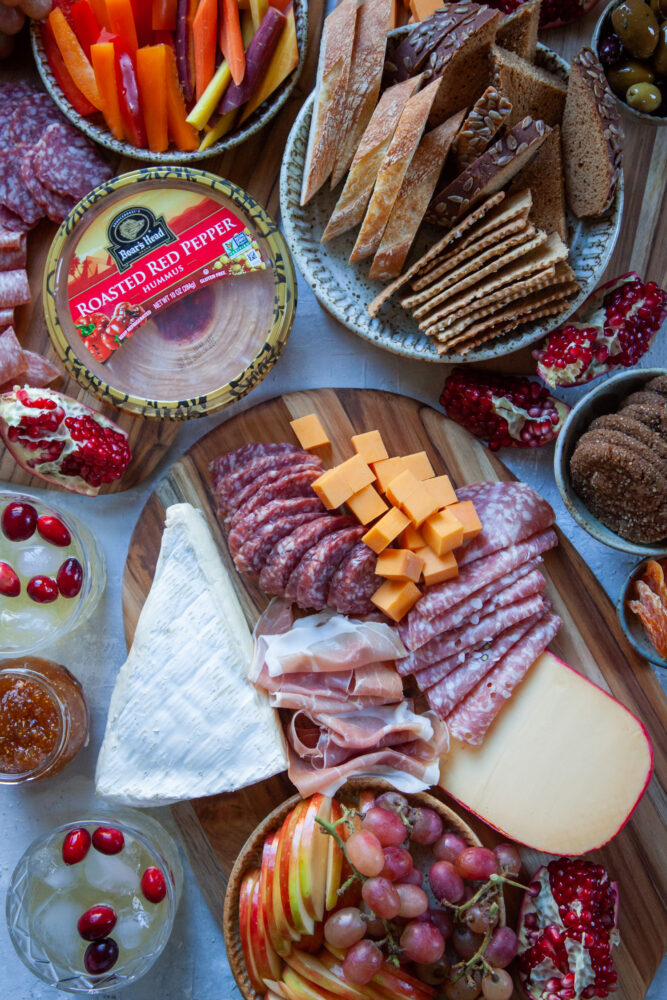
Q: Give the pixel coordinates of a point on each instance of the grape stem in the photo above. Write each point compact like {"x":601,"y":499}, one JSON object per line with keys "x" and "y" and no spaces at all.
{"x":330,"y":828}
{"x":493,"y":884}
{"x":478,"y":957}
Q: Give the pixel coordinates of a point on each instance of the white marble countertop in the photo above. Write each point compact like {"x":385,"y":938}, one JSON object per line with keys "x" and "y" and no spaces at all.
{"x":319,"y":353}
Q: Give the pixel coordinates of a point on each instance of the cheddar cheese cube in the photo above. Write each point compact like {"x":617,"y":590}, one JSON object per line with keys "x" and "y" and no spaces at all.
{"x":437,"y":569}
{"x":465,"y":513}
{"x":367,"y":504}
{"x":396,"y":597}
{"x":386,"y":530}
{"x":399,"y":564}
{"x":419,"y":464}
{"x":370,"y":446}
{"x":332,"y":488}
{"x":410,"y":538}
{"x":441,"y":490}
{"x":419,"y":505}
{"x":309,"y":431}
{"x":400,"y":488}
{"x":356,"y":472}
{"x":442,"y":532}
{"x":387,"y":470}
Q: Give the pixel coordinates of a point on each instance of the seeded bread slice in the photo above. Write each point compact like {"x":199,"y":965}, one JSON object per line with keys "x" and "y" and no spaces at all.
{"x":463,"y":64}
{"x":531,"y":90}
{"x":592,"y":138}
{"x":490,"y":172}
{"x":518,"y":32}
{"x":413,"y":54}
{"x":487,"y":117}
{"x":545,"y":177}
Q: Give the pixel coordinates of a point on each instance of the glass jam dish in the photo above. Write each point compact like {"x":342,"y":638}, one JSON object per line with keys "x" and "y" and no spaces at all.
{"x":52,"y":573}
{"x":43,"y":719}
{"x":91,"y":906}
{"x":169,"y":292}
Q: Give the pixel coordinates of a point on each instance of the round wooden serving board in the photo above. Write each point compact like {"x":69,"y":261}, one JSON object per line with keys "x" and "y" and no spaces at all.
{"x":214,"y":829}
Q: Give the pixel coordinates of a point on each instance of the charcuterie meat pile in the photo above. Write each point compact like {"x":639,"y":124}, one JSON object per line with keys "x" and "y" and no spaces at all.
{"x":20,"y":366}
{"x":472,"y":639}
{"x":281,"y":534}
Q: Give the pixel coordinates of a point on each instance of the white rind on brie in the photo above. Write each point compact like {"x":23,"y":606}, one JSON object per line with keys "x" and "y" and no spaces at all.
{"x":184,"y":719}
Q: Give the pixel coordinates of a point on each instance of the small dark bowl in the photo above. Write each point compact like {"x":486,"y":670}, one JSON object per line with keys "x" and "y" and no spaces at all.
{"x":630,"y":622}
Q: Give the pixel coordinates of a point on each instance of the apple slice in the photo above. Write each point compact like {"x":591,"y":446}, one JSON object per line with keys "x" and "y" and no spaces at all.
{"x":290,"y":886}
{"x":314,"y":971}
{"x":266,"y":961}
{"x":284,"y":929}
{"x":248,"y":887}
{"x":388,"y":984}
{"x":334,"y":862}
{"x":298,"y":988}
{"x":274,"y":988}
{"x":278,"y":936}
{"x":312,"y":852}
{"x":561,"y":769}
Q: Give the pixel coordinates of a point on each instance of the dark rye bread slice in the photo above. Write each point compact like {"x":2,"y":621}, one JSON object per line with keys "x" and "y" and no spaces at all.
{"x":544,"y":176}
{"x":489,"y":173}
{"x":650,"y":414}
{"x":489,"y":114}
{"x":416,"y":52}
{"x":463,"y":64}
{"x":634,"y":429}
{"x":518,"y":32}
{"x":658,"y":384}
{"x":531,"y":90}
{"x":592,"y":138}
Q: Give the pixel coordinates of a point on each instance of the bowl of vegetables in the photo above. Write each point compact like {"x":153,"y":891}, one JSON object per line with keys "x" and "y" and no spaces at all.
{"x":171,"y":80}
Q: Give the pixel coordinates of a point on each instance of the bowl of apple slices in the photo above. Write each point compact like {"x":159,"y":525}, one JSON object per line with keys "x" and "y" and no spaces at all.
{"x":369,"y":895}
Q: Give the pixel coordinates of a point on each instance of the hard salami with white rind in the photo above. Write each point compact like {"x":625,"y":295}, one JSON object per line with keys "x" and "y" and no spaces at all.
{"x":55,"y":206}
{"x":14,"y":195}
{"x":67,"y":163}
{"x":14,"y":289}
{"x":31,"y":116}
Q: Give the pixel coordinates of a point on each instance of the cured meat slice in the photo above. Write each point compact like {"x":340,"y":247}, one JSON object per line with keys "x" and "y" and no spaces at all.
{"x":39,"y":372}
{"x":354,"y":582}
{"x":12,"y":258}
{"x":476,"y":575}
{"x":294,"y":483}
{"x":373,"y":684}
{"x":31,"y":115}
{"x":271,"y":511}
{"x":509,"y":512}
{"x":12,"y":228}
{"x":242,"y":498}
{"x":6,"y":318}
{"x":288,"y":553}
{"x":67,"y":163}
{"x":12,"y":91}
{"x":14,"y":288}
{"x":12,"y":361}
{"x":254,"y":552}
{"x":486,"y":629}
{"x":56,"y":206}
{"x":309,"y":581}
{"x":228,"y":463}
{"x":233,"y":483}
{"x":14,"y":195}
{"x":444,"y":696}
{"x":434,"y":650}
{"x":471,"y":719}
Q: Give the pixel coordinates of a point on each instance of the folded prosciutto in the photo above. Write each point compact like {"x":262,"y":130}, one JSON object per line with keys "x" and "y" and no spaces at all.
{"x":374,"y":684}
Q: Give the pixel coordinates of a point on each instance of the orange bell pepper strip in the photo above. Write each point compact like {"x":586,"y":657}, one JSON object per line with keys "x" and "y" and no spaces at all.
{"x":164,"y":15}
{"x":231,"y":39}
{"x":103,"y":56}
{"x":121,"y":18}
{"x":100,"y":12}
{"x":152,"y":80}
{"x":60,"y":72}
{"x":74,"y":57}
{"x":205,"y":42}
{"x":184,"y":136}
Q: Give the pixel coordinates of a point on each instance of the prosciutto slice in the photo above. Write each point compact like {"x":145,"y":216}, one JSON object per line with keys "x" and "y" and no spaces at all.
{"x":509,"y":512}
{"x":376,"y":683}
{"x":472,"y":717}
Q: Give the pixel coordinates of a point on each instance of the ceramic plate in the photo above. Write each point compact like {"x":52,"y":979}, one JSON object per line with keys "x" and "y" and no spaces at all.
{"x":344,"y":290}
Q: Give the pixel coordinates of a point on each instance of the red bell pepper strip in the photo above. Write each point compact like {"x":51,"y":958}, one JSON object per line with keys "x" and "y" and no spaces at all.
{"x":85,"y":24}
{"x":122,"y":23}
{"x":142,"y":20}
{"x":130,"y":104}
{"x":61,"y":73}
{"x":100,"y":12}
{"x":164,"y":15}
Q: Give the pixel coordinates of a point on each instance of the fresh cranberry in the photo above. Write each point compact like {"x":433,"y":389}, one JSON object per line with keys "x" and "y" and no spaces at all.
{"x":100,"y":956}
{"x":42,"y":589}
{"x":10,"y":585}
{"x":53,"y":530}
{"x":153,"y":885}
{"x":70,"y":577}
{"x":19,"y":521}
{"x":97,"y":922}
{"x":75,"y":846}
{"x":108,"y":840}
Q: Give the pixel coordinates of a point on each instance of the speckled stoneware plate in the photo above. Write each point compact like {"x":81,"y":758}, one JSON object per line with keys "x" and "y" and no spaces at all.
{"x":96,"y":130}
{"x":344,"y":290}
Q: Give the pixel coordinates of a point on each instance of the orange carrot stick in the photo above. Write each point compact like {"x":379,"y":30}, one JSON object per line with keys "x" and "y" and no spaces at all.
{"x":103,"y":58}
{"x":164,"y":15}
{"x":203,"y":33}
{"x":231,"y":40}
{"x":184,"y":135}
{"x":74,"y":57}
{"x":121,"y":18}
{"x":152,"y":80}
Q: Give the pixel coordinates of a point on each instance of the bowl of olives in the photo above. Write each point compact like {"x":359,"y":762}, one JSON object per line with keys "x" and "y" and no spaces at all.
{"x":631,"y":42}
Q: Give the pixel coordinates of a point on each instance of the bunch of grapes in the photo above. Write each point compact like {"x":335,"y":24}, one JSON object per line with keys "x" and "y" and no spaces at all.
{"x":459,"y":944}
{"x":12,"y":18}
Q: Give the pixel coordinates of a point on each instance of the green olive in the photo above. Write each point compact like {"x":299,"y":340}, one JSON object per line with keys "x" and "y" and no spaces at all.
{"x":660,"y":54}
{"x":644,"y":97}
{"x":629,"y":73}
{"x":637,"y":27}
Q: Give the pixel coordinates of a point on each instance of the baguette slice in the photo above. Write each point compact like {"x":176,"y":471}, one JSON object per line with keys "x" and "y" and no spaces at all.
{"x":544,"y":176}
{"x":518,"y":32}
{"x":413,"y":198}
{"x":530,"y":89}
{"x":333,"y":70}
{"x":392,"y":170}
{"x":354,"y":197}
{"x":363,"y":86}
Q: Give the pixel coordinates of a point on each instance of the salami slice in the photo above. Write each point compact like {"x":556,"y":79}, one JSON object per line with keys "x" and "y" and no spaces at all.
{"x":14,"y":195}
{"x":243,"y":499}
{"x":12,"y":228}
{"x":354,"y":582}
{"x":12,"y":258}
{"x":295,"y":483}
{"x":472,"y":717}
{"x":228,"y":463}
{"x":12,"y":91}
{"x":67,"y":163}
{"x":309,"y":582}
{"x":271,"y":512}
{"x":14,"y":289}
{"x":288,"y":553}
{"x":476,"y":575}
{"x":232,"y":484}
{"x":55,"y":206}
{"x":31,"y":116}
{"x":255,"y":551}
{"x":509,"y":512}
{"x":12,"y":361}
{"x":444,"y":696}
{"x":39,"y":372}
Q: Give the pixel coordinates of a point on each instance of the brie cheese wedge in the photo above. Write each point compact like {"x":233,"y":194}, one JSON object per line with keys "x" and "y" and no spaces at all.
{"x":184,"y":719}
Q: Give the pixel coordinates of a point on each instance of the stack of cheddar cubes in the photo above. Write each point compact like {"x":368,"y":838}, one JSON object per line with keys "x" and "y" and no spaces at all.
{"x":415,"y":520}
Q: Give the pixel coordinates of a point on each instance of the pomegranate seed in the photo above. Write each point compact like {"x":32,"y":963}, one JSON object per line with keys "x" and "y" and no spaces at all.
{"x":70,"y":578}
{"x":53,"y":530}
{"x":97,"y":922}
{"x":153,"y":885}
{"x":75,"y":846}
{"x":42,"y":589}
{"x":108,"y":840}
{"x":100,"y":956}
{"x":10,"y":585}
{"x":19,"y":521}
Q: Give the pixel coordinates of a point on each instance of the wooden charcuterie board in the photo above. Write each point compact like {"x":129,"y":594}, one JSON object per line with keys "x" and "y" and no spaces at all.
{"x":214,"y":829}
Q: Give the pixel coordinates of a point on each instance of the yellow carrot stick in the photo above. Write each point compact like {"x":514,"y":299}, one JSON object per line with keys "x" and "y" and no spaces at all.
{"x":225,"y":125}
{"x":211,"y":97}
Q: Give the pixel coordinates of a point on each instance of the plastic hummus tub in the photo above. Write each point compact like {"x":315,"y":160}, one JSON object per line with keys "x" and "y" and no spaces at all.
{"x":169,"y":292}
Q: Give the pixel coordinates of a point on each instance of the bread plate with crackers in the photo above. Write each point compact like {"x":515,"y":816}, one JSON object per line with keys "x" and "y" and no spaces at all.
{"x":450,"y":190}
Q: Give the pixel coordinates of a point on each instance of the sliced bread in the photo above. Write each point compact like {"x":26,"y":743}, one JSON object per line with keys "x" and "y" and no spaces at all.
{"x":544,"y":176}
{"x":518,"y":32}
{"x":463,"y":64}
{"x":483,"y":122}
{"x":413,"y":54}
{"x":531,"y":90}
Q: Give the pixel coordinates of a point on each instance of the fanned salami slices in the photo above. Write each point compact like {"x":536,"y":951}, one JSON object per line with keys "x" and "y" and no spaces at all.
{"x":231,"y":486}
{"x":245,"y":498}
{"x":14,"y":289}
{"x":317,"y":568}
{"x":231,"y":461}
{"x":354,"y":582}
{"x":274,"y":510}
{"x":12,"y":228}
{"x":294,"y":483}
{"x":55,"y":206}
{"x":14,"y":195}
{"x":31,"y":116}
{"x":12,"y":258}
{"x":67,"y":163}
{"x":253,"y":554}
{"x":287,"y":554}
{"x":509,"y":512}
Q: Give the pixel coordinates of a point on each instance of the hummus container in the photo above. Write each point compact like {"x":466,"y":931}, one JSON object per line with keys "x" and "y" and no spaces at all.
{"x":169,"y":292}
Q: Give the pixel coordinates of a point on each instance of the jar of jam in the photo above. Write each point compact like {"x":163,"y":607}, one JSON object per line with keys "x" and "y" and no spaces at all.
{"x":43,"y":719}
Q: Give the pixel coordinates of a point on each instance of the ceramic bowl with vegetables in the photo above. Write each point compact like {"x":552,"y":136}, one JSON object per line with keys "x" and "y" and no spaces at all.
{"x":631,"y":41}
{"x":172,"y":80}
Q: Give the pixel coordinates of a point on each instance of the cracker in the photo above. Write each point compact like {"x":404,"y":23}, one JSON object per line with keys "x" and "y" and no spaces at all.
{"x":537,"y":298}
{"x":502,"y":322}
{"x":488,"y":292}
{"x":476,"y":340}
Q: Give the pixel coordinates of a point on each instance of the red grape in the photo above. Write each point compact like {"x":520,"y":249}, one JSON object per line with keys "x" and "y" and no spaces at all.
{"x":387,"y":826}
{"x":509,"y":859}
{"x":383,"y":899}
{"x":448,"y":846}
{"x":393,"y":801}
{"x":427,"y":826}
{"x":465,"y":941}
{"x":442,"y":921}
{"x":362,"y":962}
{"x":476,"y":863}
{"x":345,"y":927}
{"x":434,"y":974}
{"x":497,"y":985}
{"x":365,"y":852}
{"x":478,"y":917}
{"x":397,"y":863}
{"x":445,"y":881}
{"x":502,"y":947}
{"x":422,"y":942}
{"x":466,"y":988}
{"x":413,"y":900}
{"x":414,"y":877}
{"x":376,"y":928}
